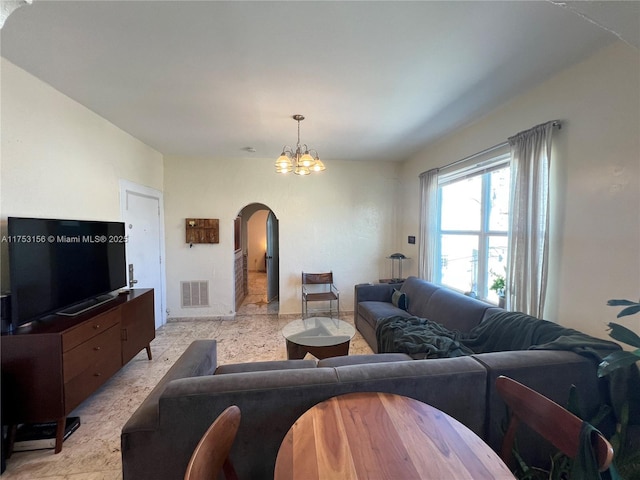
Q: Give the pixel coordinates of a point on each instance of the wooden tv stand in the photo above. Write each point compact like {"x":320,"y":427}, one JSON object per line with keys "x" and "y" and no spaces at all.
{"x":52,"y":365}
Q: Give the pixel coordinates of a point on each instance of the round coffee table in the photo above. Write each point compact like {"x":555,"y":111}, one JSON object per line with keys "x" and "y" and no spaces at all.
{"x":322,"y":337}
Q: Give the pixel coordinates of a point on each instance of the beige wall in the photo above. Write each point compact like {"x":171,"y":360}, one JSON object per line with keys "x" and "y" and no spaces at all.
{"x":257,"y":240}
{"x":595,"y":234}
{"x":60,"y":160}
{"x":343,"y":219}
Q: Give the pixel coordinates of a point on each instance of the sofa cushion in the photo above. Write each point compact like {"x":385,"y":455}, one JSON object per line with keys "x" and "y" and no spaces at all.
{"x":399,"y":299}
{"x":457,"y":386}
{"x":418,"y":295}
{"x":371,"y":312}
{"x":363,"y":359}
{"x":454,"y":310}
{"x":264,"y":366}
{"x":420,"y":338}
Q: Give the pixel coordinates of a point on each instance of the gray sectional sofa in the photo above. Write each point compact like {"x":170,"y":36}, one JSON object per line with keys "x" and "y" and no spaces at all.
{"x":426,"y":300}
{"x":159,"y":438}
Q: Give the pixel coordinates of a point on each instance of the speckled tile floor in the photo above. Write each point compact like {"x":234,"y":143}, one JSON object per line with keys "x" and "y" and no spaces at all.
{"x":93,"y":451}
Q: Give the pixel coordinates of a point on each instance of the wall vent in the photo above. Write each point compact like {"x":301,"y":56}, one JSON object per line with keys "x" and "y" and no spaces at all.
{"x":195,"y":294}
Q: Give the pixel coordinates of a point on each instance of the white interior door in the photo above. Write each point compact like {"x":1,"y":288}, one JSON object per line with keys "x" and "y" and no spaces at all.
{"x":142,"y":214}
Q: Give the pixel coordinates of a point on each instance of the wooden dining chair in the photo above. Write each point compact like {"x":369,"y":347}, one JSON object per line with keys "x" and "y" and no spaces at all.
{"x":553,"y":422}
{"x":211,"y":455}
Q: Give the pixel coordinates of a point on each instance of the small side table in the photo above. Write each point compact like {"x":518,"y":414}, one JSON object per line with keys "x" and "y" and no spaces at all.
{"x":322,"y":337}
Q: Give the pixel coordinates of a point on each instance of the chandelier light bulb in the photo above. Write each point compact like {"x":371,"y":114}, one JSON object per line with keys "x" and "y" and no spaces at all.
{"x":318,"y":166}
{"x":283,"y":162}
{"x":306,"y":160}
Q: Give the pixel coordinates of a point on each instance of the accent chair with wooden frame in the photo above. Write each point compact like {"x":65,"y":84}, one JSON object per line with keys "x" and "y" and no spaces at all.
{"x":319,"y":287}
{"x":553,"y":422}
{"x":211,"y":455}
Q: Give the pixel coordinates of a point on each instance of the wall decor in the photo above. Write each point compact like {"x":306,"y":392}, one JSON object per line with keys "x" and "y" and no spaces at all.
{"x":202,"y":230}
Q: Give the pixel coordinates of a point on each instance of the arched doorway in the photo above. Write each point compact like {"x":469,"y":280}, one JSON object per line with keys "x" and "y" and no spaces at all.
{"x":256,"y":260}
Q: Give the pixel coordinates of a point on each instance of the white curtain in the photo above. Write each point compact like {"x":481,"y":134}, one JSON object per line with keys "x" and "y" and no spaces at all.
{"x":428,"y":240}
{"x":529,"y":229}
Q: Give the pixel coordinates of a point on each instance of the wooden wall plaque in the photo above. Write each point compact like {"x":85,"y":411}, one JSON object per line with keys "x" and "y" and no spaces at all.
{"x":202,"y":230}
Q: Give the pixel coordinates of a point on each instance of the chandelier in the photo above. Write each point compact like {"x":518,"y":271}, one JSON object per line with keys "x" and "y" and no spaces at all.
{"x":300,"y":161}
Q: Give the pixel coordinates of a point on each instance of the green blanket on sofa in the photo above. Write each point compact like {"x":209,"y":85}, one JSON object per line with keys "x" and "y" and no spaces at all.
{"x":423,"y":338}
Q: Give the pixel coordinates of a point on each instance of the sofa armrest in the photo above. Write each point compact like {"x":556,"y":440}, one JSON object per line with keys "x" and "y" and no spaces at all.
{"x":198,"y":359}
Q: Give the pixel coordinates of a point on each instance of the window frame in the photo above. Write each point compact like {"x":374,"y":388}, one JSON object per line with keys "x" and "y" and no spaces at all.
{"x":483,"y":168}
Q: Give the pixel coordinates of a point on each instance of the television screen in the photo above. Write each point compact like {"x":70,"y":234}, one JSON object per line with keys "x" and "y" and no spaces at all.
{"x":54,"y":264}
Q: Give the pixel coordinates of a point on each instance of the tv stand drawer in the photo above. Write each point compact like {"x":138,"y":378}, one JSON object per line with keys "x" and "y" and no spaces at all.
{"x":75,"y":336}
{"x":91,"y":353}
{"x":89,"y":367}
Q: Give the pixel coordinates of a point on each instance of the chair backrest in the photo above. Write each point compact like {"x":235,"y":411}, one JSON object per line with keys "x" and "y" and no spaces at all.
{"x":317,"y":278}
{"x":211,"y":455}
{"x":553,"y":422}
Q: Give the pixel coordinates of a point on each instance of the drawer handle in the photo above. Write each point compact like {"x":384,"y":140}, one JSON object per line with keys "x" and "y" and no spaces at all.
{"x":97,"y":348}
{"x":96,"y":326}
{"x":97,"y":374}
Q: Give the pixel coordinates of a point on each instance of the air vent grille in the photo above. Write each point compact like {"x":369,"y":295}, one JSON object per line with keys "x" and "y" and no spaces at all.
{"x":195,"y":294}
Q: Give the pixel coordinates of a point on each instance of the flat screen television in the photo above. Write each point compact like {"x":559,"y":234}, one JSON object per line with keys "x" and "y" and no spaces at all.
{"x":63,"y":267}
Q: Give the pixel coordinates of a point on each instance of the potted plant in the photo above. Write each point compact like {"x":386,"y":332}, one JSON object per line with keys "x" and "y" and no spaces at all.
{"x":626,"y":440}
{"x":498,"y":286}
{"x":618,"y":332}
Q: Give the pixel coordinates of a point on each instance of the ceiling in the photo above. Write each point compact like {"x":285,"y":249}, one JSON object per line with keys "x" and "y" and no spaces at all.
{"x":375,"y":80}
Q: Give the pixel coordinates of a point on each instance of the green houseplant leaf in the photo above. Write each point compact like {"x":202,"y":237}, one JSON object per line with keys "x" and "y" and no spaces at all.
{"x":618,"y":302}
{"x":629,"y":311}
{"x":623,"y":334}
{"x":632,"y":307}
{"x":617,"y":360}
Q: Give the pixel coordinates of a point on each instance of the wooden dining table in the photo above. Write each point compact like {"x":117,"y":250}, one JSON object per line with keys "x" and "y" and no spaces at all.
{"x":380,"y":436}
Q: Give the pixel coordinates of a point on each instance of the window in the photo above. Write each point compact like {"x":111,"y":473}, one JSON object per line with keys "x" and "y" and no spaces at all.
{"x":473,"y":224}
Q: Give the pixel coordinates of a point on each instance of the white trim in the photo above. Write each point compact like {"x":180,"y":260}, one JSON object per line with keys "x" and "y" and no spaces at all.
{"x":126,"y":185}
{"x":478,"y":167}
